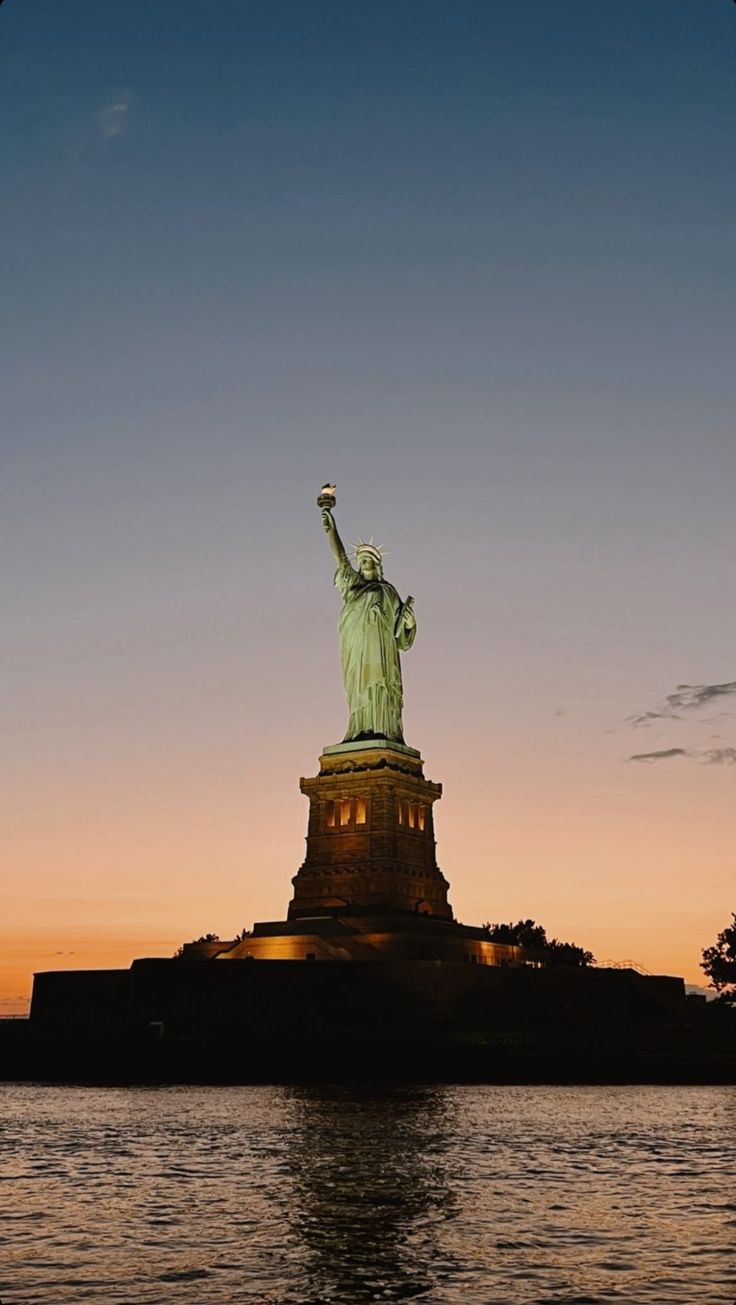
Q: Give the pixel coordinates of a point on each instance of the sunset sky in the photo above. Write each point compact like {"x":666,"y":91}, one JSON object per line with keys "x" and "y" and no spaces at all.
{"x":472,"y":260}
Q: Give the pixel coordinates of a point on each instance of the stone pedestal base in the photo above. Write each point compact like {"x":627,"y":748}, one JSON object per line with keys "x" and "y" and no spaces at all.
{"x":370,"y":838}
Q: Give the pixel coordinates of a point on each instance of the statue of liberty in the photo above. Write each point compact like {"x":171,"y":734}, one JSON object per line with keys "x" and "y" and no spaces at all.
{"x":374,"y":627}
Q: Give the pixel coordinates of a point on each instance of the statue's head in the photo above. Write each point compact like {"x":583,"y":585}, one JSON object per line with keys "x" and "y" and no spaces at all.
{"x":369,"y":561}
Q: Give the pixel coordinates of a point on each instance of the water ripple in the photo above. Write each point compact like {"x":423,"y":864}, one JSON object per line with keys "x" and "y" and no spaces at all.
{"x":296,"y":1196}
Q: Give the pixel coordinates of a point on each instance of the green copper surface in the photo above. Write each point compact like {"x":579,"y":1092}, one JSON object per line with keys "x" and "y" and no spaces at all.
{"x":361,"y":745}
{"x":375,"y":626}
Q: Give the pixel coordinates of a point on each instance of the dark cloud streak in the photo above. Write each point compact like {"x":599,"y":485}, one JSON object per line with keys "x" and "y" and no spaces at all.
{"x":686,"y":698}
{"x":711,"y":757}
{"x":645,"y":718}
{"x":689,"y":697}
{"x":662,"y":755}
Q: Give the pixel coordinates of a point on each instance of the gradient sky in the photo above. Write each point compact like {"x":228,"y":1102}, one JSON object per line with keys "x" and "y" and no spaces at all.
{"x":475,"y":262}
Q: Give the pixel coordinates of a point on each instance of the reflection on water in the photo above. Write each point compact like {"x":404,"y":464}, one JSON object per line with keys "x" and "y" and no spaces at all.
{"x":371,"y":1184}
{"x":337,"y":1196}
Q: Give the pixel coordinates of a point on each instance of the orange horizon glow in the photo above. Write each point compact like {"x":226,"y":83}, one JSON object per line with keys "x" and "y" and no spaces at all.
{"x":178,"y":858}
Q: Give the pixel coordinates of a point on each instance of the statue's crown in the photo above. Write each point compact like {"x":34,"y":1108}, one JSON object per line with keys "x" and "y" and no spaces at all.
{"x":376,"y":551}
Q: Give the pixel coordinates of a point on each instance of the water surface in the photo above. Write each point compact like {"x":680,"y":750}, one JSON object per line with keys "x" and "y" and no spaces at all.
{"x":495,"y":1195}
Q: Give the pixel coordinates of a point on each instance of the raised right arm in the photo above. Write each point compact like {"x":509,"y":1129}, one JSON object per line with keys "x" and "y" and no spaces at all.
{"x":336,"y":544}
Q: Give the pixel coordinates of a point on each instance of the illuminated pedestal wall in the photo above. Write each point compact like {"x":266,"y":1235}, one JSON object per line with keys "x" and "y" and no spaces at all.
{"x":370,"y":837}
{"x":370,"y":888}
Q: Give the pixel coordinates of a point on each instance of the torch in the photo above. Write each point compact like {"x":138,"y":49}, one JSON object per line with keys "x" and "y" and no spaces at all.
{"x":326,"y":497}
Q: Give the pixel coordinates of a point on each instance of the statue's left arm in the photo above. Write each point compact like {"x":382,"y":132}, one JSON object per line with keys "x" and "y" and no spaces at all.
{"x":406,"y":625}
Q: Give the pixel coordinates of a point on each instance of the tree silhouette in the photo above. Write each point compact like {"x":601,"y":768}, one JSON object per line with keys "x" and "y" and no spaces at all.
{"x":527,"y":933}
{"x":719,"y":962}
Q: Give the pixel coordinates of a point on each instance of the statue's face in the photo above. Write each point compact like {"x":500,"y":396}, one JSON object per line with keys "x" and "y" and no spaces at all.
{"x":368,"y":567}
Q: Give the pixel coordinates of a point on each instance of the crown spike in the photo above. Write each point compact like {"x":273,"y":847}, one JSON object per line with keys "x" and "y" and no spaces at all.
{"x":376,"y":550}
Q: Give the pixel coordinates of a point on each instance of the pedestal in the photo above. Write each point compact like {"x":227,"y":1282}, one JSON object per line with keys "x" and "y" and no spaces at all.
{"x":370,"y":837}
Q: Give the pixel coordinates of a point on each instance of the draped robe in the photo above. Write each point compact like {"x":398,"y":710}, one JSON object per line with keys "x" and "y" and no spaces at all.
{"x":372,"y":634}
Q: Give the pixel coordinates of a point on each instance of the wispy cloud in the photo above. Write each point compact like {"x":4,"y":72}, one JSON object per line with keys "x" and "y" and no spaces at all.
{"x":113,"y":117}
{"x":662,"y":755}
{"x":689,"y":697}
{"x":646,"y":718}
{"x":710,"y":757}
{"x":719,"y":757}
{"x":686,"y":698}
{"x":685,"y":704}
